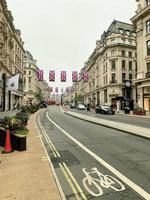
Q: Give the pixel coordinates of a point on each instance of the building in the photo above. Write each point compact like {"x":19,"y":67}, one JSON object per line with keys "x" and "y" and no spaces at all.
{"x":11,"y":61}
{"x":30,"y":79}
{"x":111,"y":66}
{"x":141,"y":23}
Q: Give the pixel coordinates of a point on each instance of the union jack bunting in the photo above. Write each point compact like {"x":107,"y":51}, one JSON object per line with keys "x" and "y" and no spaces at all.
{"x":51,"y":75}
{"x":67,"y":89}
{"x":63,"y":76}
{"x":56,"y":89}
{"x":74,"y":76}
{"x":40,"y":74}
{"x":50,"y":89}
{"x":85,"y":76}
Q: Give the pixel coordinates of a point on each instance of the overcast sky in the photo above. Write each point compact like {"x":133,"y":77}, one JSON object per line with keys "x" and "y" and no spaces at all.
{"x":61,"y":34}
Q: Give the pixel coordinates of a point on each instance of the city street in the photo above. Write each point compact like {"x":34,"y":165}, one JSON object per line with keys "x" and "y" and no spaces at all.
{"x":95,"y":162}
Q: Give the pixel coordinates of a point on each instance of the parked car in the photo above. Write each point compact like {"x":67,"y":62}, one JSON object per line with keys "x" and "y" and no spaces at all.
{"x":104,"y":110}
{"x":72,"y":105}
{"x":43,"y":104}
{"x":81,"y":107}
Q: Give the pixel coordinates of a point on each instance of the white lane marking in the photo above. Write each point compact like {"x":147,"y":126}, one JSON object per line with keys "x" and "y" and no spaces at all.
{"x":127,"y":181}
{"x":51,"y":165}
{"x":105,"y":181}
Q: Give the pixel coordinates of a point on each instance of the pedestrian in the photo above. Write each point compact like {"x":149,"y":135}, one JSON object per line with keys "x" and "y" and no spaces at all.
{"x":88,"y":107}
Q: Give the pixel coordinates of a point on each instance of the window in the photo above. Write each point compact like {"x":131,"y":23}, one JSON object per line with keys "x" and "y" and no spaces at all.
{"x":148,"y":67}
{"x":148,"y":26}
{"x":148,"y":47}
{"x":130,"y":54}
{"x":147,"y":2}
{"x":30,"y":80}
{"x":123,"y":53}
{"x":24,"y":80}
{"x":130,"y":76}
{"x":123,"y":64}
{"x":121,"y":31}
{"x":123,"y":77}
{"x":24,"y":72}
{"x":113,"y":65}
{"x":130,"y":65}
{"x":113,"y":77}
{"x":29,"y":72}
{"x":127,"y":32}
{"x":106,"y":79}
{"x":113,"y":53}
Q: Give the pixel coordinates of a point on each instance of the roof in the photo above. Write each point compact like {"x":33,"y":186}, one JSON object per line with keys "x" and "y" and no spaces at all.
{"x":115,"y":27}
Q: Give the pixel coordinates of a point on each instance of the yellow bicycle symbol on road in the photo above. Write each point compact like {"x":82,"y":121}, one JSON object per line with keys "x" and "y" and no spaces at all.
{"x":94,"y":185}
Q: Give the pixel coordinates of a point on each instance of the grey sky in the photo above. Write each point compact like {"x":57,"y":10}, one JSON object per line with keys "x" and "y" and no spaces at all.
{"x":61,"y":34}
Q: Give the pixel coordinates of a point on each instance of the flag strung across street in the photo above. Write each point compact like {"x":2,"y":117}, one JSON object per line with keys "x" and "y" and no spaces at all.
{"x":74,"y":76}
{"x":56,"y":89}
{"x":51,"y":75}
{"x":40,"y":74}
{"x":85,"y":76}
{"x":63,"y":76}
{"x":50,"y":89}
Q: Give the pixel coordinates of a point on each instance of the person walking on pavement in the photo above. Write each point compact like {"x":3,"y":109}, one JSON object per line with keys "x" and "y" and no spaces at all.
{"x":88,"y":107}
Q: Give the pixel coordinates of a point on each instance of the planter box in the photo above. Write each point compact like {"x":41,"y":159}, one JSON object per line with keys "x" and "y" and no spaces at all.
{"x":17,"y":142}
{"x":139,"y":112}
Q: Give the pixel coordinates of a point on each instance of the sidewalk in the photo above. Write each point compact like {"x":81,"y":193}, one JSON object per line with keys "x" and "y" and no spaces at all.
{"x":131,"y":129}
{"x":27,"y":175}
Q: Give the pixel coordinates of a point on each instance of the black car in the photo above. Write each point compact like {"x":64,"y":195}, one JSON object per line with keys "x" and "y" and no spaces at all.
{"x":43,"y":104}
{"x":104,"y":110}
{"x":72,"y":105}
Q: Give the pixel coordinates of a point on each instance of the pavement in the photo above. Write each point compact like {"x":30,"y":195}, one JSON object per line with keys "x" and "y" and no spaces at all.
{"x":131,"y":129}
{"x":28,"y":174}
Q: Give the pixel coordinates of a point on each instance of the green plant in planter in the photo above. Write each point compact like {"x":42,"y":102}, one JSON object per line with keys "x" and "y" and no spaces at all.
{"x":22,"y":131}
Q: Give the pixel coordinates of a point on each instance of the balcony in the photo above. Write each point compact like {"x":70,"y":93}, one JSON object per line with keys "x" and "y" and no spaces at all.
{"x":147,"y":75}
{"x":113,"y":82}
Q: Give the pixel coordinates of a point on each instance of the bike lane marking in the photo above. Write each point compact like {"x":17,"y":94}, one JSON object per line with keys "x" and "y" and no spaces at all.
{"x":65,"y":170}
{"x":127,"y":181}
{"x":105,"y":181}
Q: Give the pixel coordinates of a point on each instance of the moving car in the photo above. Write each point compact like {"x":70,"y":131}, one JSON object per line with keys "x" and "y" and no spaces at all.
{"x":72,"y":105}
{"x":104,"y":110}
{"x":81,"y":107}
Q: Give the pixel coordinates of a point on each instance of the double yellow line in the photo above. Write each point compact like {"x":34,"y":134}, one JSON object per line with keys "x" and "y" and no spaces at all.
{"x":79,"y":194}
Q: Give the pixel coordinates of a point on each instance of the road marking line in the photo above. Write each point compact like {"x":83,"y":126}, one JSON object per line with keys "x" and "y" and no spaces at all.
{"x":75,"y":182}
{"x":131,"y":184}
{"x":70,"y":182}
{"x":50,"y":163}
{"x":67,"y":173}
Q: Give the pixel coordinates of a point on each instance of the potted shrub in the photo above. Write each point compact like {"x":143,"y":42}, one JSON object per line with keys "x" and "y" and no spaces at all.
{"x":18,"y":132}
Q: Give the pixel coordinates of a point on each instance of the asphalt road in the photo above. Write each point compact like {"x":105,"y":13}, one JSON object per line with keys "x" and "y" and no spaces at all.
{"x":118,"y":163}
{"x":145,"y":122}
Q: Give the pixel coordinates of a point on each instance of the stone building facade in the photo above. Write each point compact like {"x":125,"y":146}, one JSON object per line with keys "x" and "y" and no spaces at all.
{"x":112,"y":66}
{"x":30,"y":79}
{"x":141,"y":23}
{"x":11,"y":59}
